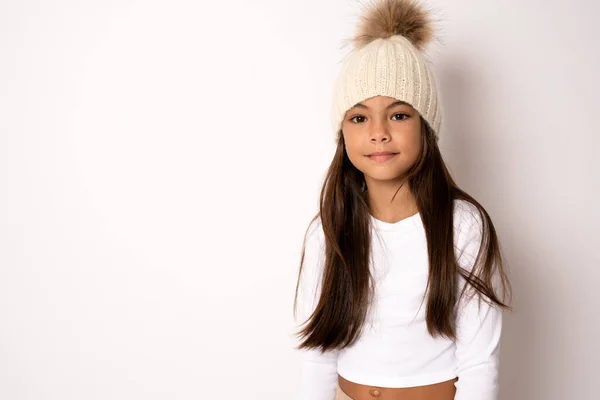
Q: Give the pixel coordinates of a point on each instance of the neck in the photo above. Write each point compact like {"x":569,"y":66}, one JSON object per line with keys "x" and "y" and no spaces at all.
{"x":389,"y":203}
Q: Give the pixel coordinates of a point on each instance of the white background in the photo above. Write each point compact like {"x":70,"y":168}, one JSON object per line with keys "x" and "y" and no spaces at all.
{"x":160,"y":161}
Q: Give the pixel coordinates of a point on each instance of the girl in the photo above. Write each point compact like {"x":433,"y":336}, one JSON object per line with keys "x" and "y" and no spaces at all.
{"x":401,"y":271}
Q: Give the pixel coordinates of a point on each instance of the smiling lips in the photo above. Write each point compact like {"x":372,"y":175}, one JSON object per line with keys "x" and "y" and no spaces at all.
{"x":381,"y":156}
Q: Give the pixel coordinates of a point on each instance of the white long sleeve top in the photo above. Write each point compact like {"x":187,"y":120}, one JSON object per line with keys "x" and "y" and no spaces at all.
{"x":395,"y":349}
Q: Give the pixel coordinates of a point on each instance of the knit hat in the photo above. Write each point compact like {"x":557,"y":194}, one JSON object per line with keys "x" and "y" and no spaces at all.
{"x":387,"y":60}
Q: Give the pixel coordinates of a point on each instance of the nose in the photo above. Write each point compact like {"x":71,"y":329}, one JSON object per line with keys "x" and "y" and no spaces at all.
{"x":379,"y":131}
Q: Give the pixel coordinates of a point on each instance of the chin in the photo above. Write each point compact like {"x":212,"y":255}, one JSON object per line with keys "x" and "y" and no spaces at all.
{"x":385,"y":175}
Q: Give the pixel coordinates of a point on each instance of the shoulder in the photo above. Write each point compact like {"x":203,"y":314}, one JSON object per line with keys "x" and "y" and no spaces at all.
{"x":468,"y":232}
{"x":313,"y":261}
{"x":314,"y":243}
{"x":468,"y":220}
{"x":314,"y":232}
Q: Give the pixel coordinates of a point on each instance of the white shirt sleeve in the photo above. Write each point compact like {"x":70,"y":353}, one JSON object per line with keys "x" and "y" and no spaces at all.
{"x":318,"y":375}
{"x":318,"y":371}
{"x":479,"y":327}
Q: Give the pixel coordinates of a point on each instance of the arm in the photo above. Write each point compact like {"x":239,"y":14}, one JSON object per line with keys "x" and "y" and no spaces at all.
{"x":318,"y":375}
{"x":479,"y":327}
{"x":318,"y":371}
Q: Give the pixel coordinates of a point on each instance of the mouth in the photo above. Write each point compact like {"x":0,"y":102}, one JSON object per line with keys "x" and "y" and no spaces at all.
{"x":382,"y":157}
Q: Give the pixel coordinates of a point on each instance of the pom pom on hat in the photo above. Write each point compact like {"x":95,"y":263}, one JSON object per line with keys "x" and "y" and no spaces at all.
{"x":395,"y":17}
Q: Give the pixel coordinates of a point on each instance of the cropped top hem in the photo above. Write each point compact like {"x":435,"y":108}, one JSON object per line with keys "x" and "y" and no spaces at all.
{"x":399,"y":381}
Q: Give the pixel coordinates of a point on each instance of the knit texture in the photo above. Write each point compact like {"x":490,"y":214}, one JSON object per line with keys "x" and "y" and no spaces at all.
{"x":391,"y":67}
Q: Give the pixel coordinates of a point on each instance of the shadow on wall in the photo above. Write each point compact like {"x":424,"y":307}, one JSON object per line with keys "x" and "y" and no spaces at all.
{"x":477,"y":168}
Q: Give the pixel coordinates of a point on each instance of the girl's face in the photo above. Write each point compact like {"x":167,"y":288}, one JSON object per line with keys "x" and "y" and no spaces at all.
{"x":385,"y":124}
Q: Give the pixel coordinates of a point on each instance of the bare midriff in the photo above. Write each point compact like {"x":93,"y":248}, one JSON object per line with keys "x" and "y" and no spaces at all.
{"x":437,"y":391}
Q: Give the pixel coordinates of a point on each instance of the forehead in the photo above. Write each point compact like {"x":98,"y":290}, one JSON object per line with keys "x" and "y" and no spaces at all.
{"x":380,"y":102}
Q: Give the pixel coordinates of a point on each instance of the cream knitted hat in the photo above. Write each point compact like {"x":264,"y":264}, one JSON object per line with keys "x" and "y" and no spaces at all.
{"x":387,"y":60}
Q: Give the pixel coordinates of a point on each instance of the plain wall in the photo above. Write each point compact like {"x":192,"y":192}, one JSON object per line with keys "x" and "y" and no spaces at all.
{"x":160,"y":161}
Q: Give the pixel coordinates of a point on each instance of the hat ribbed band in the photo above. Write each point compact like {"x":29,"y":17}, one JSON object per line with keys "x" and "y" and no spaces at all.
{"x":387,"y":67}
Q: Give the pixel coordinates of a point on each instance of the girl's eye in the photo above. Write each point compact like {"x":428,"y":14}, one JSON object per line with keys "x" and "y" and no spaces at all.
{"x":357,"y":119}
{"x":353,"y":119}
{"x":401,"y":119}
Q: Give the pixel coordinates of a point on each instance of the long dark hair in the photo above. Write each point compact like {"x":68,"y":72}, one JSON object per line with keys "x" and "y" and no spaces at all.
{"x":347,"y":289}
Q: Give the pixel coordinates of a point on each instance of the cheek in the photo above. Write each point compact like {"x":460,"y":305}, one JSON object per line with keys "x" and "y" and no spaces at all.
{"x":351,"y":142}
{"x":355,"y":152}
{"x":413,"y":149}
{"x":410,"y":143}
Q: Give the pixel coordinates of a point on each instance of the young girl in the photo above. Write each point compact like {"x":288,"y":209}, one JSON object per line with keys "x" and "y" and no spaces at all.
{"x":401,"y":271}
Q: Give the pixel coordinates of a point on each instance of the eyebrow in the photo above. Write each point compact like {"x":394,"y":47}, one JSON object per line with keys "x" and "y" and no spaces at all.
{"x":394,"y":104}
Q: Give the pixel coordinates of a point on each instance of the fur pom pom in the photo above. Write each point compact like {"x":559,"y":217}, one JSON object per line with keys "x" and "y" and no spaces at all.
{"x":385,"y":18}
